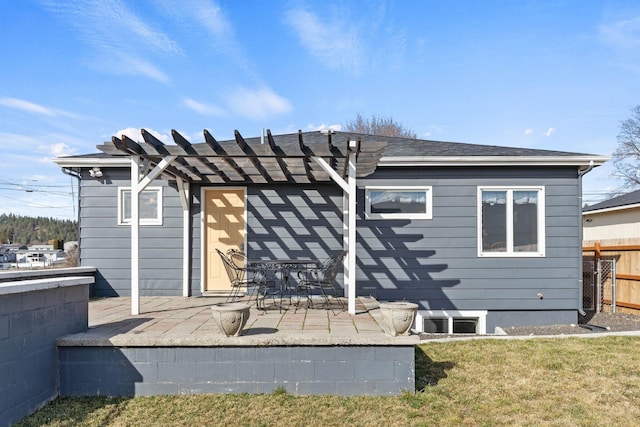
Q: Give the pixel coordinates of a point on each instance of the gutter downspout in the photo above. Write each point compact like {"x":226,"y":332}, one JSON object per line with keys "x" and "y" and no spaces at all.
{"x":581,"y":280}
{"x":77,"y":176}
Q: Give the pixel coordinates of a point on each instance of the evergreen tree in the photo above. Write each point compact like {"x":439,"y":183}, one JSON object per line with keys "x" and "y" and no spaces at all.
{"x":26,"y":230}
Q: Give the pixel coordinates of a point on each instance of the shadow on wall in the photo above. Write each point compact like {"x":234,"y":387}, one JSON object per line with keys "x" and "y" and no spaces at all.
{"x":98,"y":371}
{"x":294,"y":222}
{"x":393,"y":266}
{"x":392,"y":263}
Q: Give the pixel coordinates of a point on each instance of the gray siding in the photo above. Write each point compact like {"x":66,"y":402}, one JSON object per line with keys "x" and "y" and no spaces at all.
{"x":435,"y":263}
{"x":432,"y":262}
{"x":283,"y":221}
{"x":107,"y":245}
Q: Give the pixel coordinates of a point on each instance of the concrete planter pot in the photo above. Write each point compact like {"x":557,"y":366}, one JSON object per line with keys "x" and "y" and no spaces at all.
{"x":230,"y":317}
{"x":398,"y":317}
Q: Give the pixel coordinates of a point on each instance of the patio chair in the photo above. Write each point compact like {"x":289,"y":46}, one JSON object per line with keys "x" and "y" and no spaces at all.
{"x":256,"y":277}
{"x":240,"y":277}
{"x":322,"y":279}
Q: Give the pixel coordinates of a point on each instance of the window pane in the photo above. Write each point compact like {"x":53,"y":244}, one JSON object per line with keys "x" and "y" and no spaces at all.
{"x":409,"y":202}
{"x":494,"y":221}
{"x":435,"y":326}
{"x":464,"y":325}
{"x":525,"y":221}
{"x":148,"y":205}
{"x":126,"y":205}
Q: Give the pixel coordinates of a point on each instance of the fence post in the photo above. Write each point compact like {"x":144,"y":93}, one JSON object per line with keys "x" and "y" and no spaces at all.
{"x":613,"y":285}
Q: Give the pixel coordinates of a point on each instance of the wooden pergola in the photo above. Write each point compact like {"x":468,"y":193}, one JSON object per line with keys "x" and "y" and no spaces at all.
{"x":302,"y":158}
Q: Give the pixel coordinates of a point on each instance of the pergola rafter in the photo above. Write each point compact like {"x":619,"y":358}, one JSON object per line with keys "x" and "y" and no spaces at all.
{"x":280,"y":159}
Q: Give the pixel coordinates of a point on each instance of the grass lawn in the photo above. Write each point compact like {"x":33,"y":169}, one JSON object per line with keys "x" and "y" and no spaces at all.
{"x":572,"y":381}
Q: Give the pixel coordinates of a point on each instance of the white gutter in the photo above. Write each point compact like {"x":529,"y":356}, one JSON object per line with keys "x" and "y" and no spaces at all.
{"x":611,"y":209}
{"x":493,"y":161}
{"x":87,"y":162}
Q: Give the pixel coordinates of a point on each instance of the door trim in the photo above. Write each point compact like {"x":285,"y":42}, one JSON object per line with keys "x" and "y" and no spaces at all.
{"x":203,"y":205}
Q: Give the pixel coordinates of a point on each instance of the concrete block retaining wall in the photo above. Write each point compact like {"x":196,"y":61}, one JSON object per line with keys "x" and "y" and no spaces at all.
{"x":306,"y":370}
{"x":33,"y":314}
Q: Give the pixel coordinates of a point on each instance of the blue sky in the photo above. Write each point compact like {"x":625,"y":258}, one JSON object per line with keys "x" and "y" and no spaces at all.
{"x":538,"y":74}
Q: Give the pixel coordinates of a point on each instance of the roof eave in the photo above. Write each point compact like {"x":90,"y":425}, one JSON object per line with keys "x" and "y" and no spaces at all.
{"x":87,"y":162}
{"x":580,"y":161}
{"x":611,"y":209}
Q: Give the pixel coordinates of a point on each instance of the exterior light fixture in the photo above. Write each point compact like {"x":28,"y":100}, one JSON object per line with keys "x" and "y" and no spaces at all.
{"x":95,"y":173}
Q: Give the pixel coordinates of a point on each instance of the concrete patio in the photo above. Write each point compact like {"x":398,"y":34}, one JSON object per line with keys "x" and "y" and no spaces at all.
{"x":180,"y":321}
{"x":174,"y":347}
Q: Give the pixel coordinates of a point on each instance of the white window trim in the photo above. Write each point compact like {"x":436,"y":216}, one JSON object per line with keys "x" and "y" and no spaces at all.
{"x":510,"y":253}
{"x":143,"y":221}
{"x":428,"y":198}
{"x":481,"y":315}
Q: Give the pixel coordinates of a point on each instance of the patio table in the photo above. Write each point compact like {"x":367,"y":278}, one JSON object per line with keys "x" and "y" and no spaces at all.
{"x":284,"y":267}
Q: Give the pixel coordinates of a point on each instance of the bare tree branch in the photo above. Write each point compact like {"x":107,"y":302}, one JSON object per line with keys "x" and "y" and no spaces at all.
{"x":626,"y":158}
{"x":378,"y":125}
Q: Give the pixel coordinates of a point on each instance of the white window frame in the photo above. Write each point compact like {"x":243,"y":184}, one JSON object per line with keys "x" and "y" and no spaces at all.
{"x":450,"y":315}
{"x":157,"y":220}
{"x":428,"y":200}
{"x":540,"y":252}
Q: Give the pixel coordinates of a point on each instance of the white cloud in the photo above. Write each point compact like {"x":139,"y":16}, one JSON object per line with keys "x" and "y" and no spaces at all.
{"x":433,"y":129}
{"x":549,"y":132}
{"x":55,"y":150}
{"x":204,"y":109}
{"x":337,"y":127}
{"x":136,"y":134}
{"x":258,"y":104}
{"x":117,"y":35}
{"x":335,"y":42}
{"x":61,"y":149}
{"x":31,"y":107}
{"x":138,"y":66}
{"x":624,"y":33}
{"x":528,"y":131}
{"x":198,"y":15}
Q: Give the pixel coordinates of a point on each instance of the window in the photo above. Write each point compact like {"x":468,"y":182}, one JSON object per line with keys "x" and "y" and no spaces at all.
{"x":150,"y":206}
{"x":452,"y":322}
{"x":398,"y":202}
{"x":511,"y":221}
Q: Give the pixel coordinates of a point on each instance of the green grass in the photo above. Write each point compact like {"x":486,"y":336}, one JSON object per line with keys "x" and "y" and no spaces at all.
{"x":563,"y":382}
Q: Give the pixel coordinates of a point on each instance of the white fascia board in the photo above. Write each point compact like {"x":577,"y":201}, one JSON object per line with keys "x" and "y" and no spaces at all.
{"x":611,"y":209}
{"x":88,"y":162}
{"x":493,"y":161}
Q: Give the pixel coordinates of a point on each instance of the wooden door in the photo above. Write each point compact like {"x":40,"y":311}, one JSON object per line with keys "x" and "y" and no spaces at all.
{"x":224,"y":229}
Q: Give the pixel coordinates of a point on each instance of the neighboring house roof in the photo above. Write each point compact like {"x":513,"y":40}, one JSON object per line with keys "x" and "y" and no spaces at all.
{"x":399,"y":151}
{"x":625,"y":201}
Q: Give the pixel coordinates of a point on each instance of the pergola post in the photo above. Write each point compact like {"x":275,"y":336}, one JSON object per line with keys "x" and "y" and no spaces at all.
{"x":351,"y":251}
{"x":349,"y":220}
{"x":135,"y":235}
{"x":184,"y":190}
{"x":137,"y":186}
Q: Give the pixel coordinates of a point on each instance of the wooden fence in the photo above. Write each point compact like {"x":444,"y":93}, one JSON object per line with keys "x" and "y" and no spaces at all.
{"x":627,"y":255}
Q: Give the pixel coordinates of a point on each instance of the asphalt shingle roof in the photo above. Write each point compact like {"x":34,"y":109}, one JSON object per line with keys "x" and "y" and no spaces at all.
{"x":405,"y":147}
{"x":631,"y":198}
{"x":401,"y":147}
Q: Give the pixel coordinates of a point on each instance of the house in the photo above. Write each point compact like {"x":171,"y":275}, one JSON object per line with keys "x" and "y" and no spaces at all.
{"x":616,"y":219}
{"x":479,"y":236}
